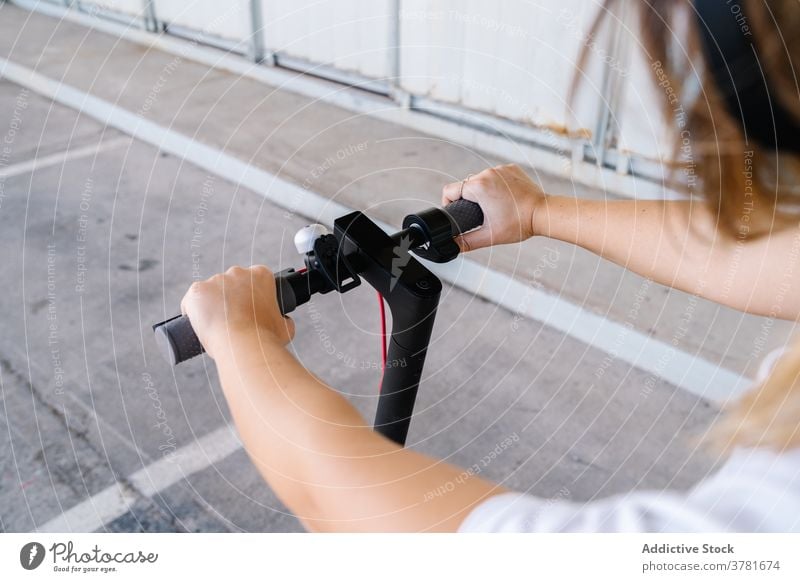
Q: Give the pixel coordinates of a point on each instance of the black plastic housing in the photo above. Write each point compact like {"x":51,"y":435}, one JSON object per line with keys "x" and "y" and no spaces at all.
{"x":412,"y":293}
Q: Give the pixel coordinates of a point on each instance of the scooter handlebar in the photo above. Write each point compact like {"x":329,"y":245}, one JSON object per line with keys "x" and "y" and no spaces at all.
{"x":178,"y":342}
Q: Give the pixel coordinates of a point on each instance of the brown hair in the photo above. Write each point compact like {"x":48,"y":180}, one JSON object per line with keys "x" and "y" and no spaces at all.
{"x":747,"y":205}
{"x":744,"y":184}
{"x":769,"y":415}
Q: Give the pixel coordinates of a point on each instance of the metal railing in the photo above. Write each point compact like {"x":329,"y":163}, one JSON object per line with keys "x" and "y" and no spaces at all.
{"x":600,"y":149}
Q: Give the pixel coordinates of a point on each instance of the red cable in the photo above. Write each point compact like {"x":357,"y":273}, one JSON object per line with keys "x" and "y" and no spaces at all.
{"x":383,"y":334}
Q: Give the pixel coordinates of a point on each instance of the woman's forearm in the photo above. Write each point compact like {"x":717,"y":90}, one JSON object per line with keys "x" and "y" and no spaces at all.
{"x":650,"y":238}
{"x":321,"y":458}
{"x":676,"y":243}
{"x":286,"y":417}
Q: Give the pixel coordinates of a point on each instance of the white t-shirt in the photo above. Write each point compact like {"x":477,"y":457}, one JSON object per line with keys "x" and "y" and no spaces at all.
{"x":755,"y":491}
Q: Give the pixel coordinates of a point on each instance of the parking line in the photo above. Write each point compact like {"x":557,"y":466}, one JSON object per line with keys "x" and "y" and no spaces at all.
{"x":116,"y":500}
{"x":62,"y":157}
{"x":658,"y":358}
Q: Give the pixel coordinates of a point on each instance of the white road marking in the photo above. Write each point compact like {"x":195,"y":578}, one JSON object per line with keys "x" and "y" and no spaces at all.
{"x":660,"y":359}
{"x":61,"y":157}
{"x":116,"y":500}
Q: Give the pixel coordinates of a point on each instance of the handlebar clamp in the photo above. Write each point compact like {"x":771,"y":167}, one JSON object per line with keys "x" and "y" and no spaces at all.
{"x":437,"y":229}
{"x":326,"y":259}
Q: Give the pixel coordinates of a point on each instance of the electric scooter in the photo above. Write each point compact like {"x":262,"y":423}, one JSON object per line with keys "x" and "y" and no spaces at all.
{"x":359,"y":248}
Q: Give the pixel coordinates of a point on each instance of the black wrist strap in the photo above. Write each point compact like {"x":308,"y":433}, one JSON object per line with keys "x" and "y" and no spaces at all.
{"x":733,"y":63}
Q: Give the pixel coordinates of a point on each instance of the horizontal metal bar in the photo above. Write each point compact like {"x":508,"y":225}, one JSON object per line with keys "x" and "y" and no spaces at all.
{"x":330,"y":73}
{"x":93,"y":9}
{"x":535,"y":136}
{"x":240,"y":47}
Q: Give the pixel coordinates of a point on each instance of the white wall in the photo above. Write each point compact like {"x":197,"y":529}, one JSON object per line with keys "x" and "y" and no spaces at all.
{"x":229,"y":19}
{"x":130,"y":7}
{"x":512,"y":59}
{"x":644,"y":130}
{"x":352,"y":35}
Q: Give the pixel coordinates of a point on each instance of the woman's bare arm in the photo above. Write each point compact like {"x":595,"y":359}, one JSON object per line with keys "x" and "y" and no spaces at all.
{"x":675,"y":243}
{"x":312,"y":447}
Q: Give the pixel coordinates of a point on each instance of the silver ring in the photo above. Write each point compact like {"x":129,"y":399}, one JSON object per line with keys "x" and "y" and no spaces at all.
{"x":464,"y":181}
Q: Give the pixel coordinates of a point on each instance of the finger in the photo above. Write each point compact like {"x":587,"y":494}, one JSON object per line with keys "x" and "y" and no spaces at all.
{"x":469,"y":189}
{"x":185,"y":298}
{"x":261,"y":269}
{"x":473,"y":190}
{"x":451,"y":193}
{"x":474,"y":240}
{"x":263,"y":283}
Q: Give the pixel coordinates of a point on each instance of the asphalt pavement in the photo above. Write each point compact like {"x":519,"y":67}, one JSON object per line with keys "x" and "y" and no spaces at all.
{"x":102,"y":234}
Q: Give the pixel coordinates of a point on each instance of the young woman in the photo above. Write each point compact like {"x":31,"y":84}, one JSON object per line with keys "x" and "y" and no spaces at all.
{"x":740,"y":246}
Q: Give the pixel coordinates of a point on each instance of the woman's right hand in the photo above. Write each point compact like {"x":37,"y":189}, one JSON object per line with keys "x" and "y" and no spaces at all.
{"x":238,"y":302}
{"x":509,"y":199}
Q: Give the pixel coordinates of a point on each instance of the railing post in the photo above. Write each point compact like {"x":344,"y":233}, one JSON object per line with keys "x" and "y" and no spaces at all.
{"x":607,"y":129}
{"x":257,"y":52}
{"x":149,"y":12}
{"x":396,"y":92}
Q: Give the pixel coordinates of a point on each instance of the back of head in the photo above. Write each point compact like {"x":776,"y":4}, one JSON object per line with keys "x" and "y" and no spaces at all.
{"x":688,"y":41}
{"x":733,"y":67}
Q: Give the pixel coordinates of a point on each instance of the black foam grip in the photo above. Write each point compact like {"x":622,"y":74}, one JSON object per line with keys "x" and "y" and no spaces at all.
{"x":465,"y":215}
{"x":178,"y":342}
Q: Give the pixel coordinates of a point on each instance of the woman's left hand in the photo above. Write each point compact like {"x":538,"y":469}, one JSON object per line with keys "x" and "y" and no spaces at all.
{"x":509,"y":200}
